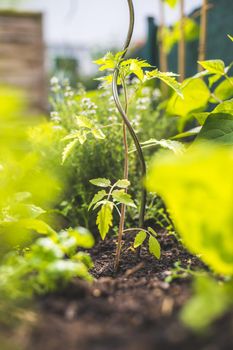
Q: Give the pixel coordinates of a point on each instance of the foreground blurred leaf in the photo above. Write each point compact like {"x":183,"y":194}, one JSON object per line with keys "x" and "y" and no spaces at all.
{"x":197,"y":188}
{"x":210,"y":300}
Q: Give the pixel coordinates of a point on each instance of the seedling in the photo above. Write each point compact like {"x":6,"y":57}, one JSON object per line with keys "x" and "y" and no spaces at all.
{"x":108,"y":200}
{"x":153,"y":244}
{"x":121,"y":68}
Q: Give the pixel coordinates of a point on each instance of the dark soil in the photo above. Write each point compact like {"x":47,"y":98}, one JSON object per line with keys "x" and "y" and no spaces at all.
{"x":134,"y":310}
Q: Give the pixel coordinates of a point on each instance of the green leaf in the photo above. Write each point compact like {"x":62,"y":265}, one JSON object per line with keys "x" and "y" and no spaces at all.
{"x":82,"y":236}
{"x":139,"y":239}
{"x":224,"y":107}
{"x":84,"y":122}
{"x":217,"y":128}
{"x":223,"y":91}
{"x":122,"y":197}
{"x":98,"y":133}
{"x":167,"y":78}
{"x":77,"y":135}
{"x":101,"y":182}
{"x":210,"y":300}
{"x":192,"y":100}
{"x":36,"y":225}
{"x":213,"y":66}
{"x":191,"y":132}
{"x":230,"y":37}
{"x":151,"y":230}
{"x":213,"y":79}
{"x":201,"y":117}
{"x":197,"y":188}
{"x":122,"y":183}
{"x":175,"y":146}
{"x":137,"y":70}
{"x":154,"y":247}
{"x":68,"y":150}
{"x":97,"y":197}
{"x":104,"y":219}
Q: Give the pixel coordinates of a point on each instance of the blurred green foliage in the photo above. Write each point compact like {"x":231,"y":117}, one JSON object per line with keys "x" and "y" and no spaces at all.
{"x":34,"y":258}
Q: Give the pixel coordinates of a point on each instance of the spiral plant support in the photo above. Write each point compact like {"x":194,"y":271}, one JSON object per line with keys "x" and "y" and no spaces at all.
{"x":124,"y":114}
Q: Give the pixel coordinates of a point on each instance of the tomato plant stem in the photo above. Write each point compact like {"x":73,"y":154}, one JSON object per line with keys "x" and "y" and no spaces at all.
{"x":126,"y":121}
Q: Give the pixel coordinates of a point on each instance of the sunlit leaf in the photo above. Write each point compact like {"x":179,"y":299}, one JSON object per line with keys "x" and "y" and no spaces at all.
{"x":104,"y":219}
{"x":68,"y":150}
{"x":101,"y":182}
{"x":123,"y":183}
{"x":98,"y":197}
{"x":197,"y":188}
{"x":192,"y":100}
{"x":139,"y":239}
{"x":213,"y":66}
{"x":154,"y":247}
{"x":122,"y":197}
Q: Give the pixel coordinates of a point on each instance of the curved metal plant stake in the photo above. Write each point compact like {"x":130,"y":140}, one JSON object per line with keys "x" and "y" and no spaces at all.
{"x":127,"y":124}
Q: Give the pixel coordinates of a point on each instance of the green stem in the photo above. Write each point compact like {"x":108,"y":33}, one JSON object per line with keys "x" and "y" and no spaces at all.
{"x":126,"y":175}
{"x":125,"y":117}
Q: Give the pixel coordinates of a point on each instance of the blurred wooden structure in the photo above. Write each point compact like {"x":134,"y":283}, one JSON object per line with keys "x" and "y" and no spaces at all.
{"x":22,"y":56}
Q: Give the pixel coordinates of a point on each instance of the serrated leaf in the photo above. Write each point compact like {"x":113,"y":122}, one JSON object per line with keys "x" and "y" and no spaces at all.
{"x":139,"y":239}
{"x":73,"y":135}
{"x":68,"y":149}
{"x":123,"y":183}
{"x":124,"y":198}
{"x":97,"y":197}
{"x":104,"y":219}
{"x":101,"y":182}
{"x":167,"y":78}
{"x":213,"y":66}
{"x":98,"y":204}
{"x":77,"y":135}
{"x":175,"y":146}
{"x":98,"y":133}
{"x":83,"y":121}
{"x":154,"y":247}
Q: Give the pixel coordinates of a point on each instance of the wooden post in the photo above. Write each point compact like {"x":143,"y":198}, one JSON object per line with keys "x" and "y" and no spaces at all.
{"x":203,"y":33}
{"x":181,"y":48}
{"x":163,"y":64}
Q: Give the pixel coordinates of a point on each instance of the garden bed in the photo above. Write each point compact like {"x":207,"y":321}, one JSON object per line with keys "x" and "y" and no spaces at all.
{"x":134,"y":310}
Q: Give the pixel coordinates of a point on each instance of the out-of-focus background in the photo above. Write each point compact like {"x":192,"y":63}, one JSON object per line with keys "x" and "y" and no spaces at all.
{"x":42,"y":38}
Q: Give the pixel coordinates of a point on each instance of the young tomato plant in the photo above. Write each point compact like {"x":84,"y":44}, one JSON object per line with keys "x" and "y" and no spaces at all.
{"x":108,"y":200}
{"x":153,"y":244}
{"x":120,"y":69}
